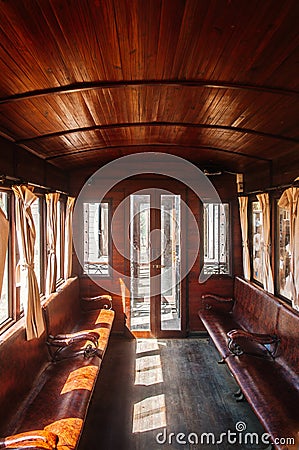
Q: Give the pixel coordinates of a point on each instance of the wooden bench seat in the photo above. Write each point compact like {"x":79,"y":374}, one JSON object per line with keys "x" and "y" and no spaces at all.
{"x":53,"y":411}
{"x":257,"y":336}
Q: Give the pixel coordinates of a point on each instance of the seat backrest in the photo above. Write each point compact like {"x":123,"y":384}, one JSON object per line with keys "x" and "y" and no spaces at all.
{"x":21,"y":362}
{"x":62,"y":311}
{"x":288,"y":333}
{"x":254,"y":308}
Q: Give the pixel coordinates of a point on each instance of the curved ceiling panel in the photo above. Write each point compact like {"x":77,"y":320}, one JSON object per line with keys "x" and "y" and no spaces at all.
{"x":213,"y":81}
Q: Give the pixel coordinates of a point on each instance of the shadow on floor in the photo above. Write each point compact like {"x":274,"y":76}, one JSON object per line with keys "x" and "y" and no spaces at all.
{"x":150,"y":391}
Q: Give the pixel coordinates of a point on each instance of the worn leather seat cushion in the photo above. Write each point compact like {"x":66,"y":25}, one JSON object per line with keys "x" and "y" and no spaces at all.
{"x":271,"y":391}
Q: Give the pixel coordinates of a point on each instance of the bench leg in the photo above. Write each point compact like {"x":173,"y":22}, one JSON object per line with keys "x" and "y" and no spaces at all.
{"x":238,"y":393}
{"x":270,"y":447}
{"x":240,"y":397}
{"x":222,"y":361}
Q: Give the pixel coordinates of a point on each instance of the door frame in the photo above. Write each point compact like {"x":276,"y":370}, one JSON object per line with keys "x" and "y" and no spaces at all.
{"x":170,"y":187}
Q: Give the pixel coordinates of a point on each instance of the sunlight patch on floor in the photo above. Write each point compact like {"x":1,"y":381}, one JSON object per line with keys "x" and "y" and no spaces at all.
{"x":149,"y":414}
{"x":148,"y":370}
{"x":146,"y":345}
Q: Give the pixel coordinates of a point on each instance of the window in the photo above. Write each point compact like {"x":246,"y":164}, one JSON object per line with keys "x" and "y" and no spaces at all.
{"x":35,"y":210}
{"x":58,"y":241}
{"x":216,"y":238}
{"x":284,"y":254}
{"x":96,"y":238}
{"x":4,"y":298}
{"x":257,"y":259}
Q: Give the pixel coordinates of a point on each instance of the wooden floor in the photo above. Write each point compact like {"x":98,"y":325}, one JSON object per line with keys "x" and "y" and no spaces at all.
{"x":165,"y":386}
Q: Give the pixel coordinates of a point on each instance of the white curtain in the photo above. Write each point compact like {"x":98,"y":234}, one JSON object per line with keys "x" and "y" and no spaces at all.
{"x":68,"y":237}
{"x":243,"y":206}
{"x":267,"y":271}
{"x":290,"y":200}
{"x":26,"y":239}
{"x":4,"y":227}
{"x":51,"y":200}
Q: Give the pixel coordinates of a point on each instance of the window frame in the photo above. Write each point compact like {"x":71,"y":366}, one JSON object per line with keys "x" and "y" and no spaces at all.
{"x":229,"y":248}
{"x":110,"y":247}
{"x":276,"y":237}
{"x":12,"y":313}
{"x":250,"y":239}
{"x":42,"y":242}
{"x":61,"y":226}
{"x":15,"y":312}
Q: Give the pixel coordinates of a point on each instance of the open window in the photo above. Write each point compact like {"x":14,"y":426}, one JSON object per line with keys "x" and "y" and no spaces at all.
{"x":4,"y":294}
{"x":96,"y":238}
{"x":37,"y":219}
{"x":284,"y":253}
{"x":216,"y":238}
{"x":256,"y":236}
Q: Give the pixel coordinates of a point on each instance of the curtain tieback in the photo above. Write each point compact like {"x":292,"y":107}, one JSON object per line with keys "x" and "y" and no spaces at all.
{"x":245,"y":243}
{"x":27,"y":266}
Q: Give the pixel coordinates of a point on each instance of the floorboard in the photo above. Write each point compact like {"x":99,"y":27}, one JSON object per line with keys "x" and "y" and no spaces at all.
{"x":165,"y":386}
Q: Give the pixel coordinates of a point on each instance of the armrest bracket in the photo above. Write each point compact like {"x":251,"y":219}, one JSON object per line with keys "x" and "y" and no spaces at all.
{"x":216,"y":300}
{"x":270,"y":342}
{"x":92,"y":302}
{"x":57,"y":343}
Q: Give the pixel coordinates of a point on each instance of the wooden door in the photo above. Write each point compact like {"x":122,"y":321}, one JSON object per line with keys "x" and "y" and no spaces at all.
{"x":157,"y":301}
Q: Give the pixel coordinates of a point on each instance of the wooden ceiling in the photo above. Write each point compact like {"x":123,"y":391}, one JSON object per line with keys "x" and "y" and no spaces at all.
{"x":214,"y":81}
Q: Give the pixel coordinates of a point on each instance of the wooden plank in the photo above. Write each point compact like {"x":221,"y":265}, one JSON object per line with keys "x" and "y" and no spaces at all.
{"x":173,"y":385}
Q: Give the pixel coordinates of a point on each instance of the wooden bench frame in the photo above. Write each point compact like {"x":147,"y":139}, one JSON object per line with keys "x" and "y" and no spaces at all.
{"x":52,"y":413}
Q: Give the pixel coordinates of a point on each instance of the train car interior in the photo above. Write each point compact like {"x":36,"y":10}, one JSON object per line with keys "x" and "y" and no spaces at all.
{"x":149,"y":216}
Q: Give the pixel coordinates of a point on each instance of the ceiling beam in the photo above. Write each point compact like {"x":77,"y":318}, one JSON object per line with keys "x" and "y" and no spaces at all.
{"x":86,"y":86}
{"x":196,"y":147}
{"x":157,"y":124}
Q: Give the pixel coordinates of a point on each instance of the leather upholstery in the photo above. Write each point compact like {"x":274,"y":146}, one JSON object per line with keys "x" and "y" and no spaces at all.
{"x":270,"y":385}
{"x":57,"y":398}
{"x":273,"y":396}
{"x":258,"y":310}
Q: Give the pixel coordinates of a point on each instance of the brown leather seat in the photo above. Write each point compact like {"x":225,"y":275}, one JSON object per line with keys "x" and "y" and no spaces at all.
{"x":270,"y":383}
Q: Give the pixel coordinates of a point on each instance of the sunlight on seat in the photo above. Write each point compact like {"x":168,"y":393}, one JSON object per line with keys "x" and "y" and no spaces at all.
{"x":149,"y":414}
{"x":82,"y":378}
{"x":68,"y":431}
{"x":148,"y":370}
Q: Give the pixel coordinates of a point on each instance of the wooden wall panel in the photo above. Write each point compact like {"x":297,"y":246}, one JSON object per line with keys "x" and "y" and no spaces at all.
{"x":110,"y":284}
{"x":222,"y":285}
{"x":17,"y":162}
{"x":219,"y":284}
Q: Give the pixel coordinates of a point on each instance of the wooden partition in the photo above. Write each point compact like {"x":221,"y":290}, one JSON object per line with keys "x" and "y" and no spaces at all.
{"x":223,"y":284}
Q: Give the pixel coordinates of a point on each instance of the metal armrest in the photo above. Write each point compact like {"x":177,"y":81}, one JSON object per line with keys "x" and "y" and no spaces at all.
{"x":61,"y":341}
{"x":64,"y":340}
{"x":92,"y":301}
{"x":216,"y":299}
{"x":37,"y":439}
{"x":266,"y":340}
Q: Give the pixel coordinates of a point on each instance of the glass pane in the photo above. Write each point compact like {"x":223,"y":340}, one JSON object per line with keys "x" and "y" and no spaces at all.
{"x":257,"y":241}
{"x":140,"y":261}
{"x":58,"y":241}
{"x":35,"y":210}
{"x":4,"y":299}
{"x":96,"y":238}
{"x":216,"y":238}
{"x":284,"y":280}
{"x":170,"y":262}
